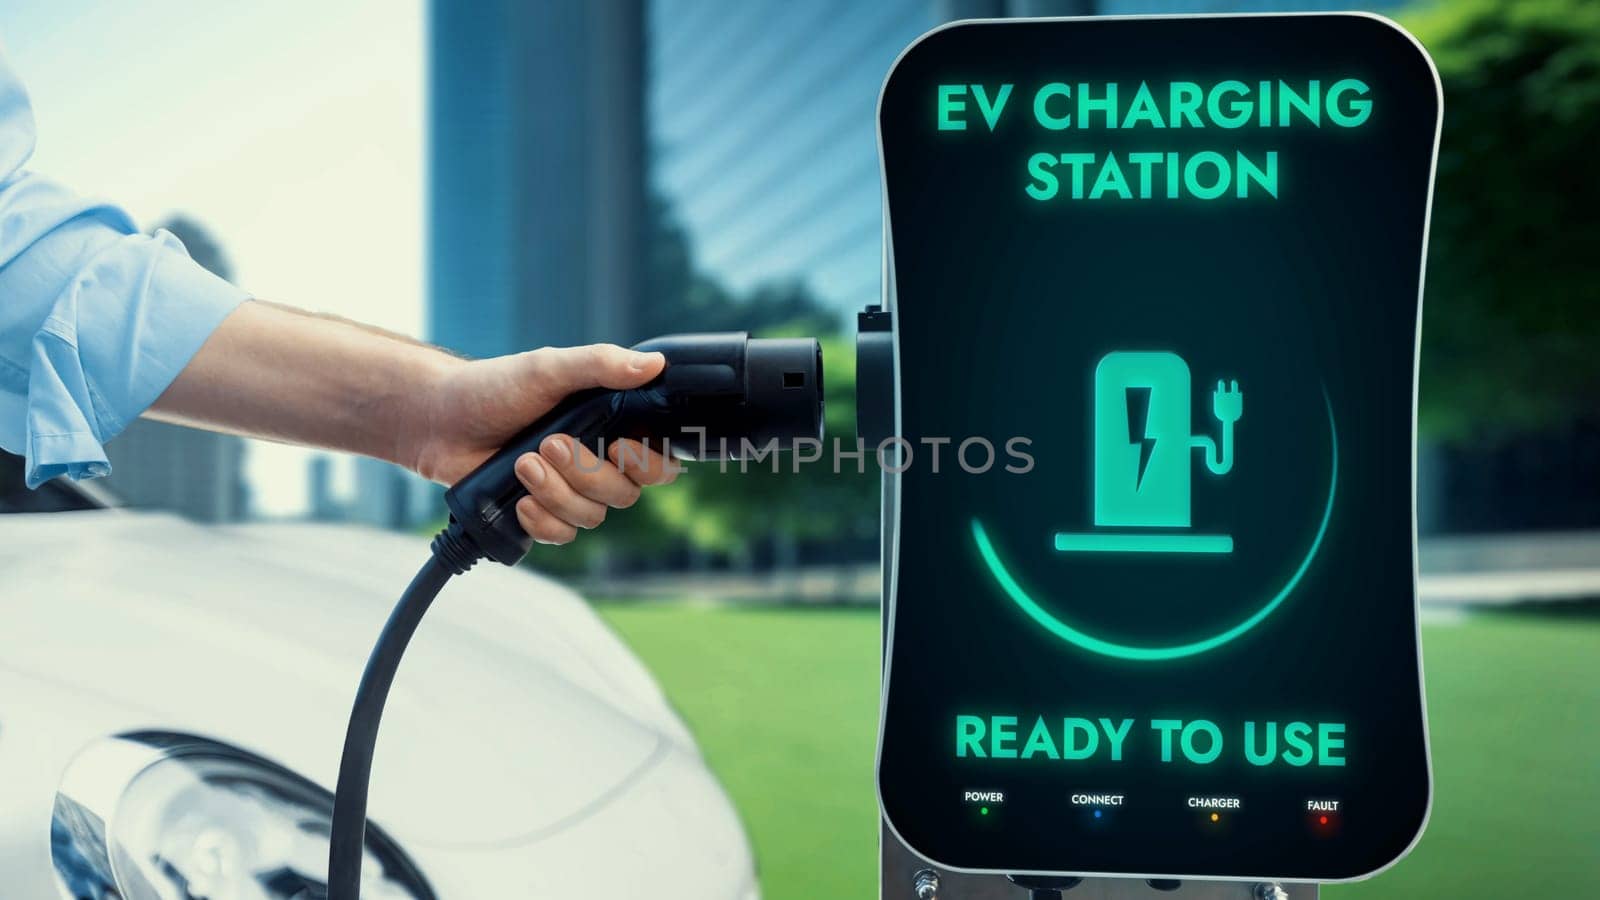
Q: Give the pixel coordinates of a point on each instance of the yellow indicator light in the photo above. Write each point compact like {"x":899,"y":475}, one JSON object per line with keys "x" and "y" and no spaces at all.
{"x":1215,"y":817}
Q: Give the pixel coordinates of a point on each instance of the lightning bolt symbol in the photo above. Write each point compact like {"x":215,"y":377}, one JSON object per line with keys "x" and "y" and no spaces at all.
{"x":1138,"y":428}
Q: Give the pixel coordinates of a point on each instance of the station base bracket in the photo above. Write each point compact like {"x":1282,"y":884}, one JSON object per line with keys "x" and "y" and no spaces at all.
{"x":899,"y":868}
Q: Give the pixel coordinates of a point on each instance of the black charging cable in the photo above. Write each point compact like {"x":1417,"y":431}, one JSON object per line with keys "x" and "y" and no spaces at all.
{"x":453,"y":554}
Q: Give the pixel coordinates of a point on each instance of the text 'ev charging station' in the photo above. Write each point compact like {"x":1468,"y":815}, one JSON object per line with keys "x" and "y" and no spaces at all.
{"x":1181,"y":259}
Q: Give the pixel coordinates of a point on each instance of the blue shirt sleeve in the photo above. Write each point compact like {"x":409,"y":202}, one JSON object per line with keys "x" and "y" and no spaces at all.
{"x":96,"y":319}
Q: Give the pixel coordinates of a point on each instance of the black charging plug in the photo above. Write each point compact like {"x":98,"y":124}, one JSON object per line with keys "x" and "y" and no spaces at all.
{"x":719,"y":396}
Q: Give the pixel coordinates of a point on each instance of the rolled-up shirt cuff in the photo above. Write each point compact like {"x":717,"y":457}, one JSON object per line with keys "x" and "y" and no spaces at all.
{"x":114,"y":341}
{"x":183,"y":304}
{"x":79,"y":455}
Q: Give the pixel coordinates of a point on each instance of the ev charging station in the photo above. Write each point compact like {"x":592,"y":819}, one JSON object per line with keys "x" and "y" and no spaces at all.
{"x":1148,"y":360}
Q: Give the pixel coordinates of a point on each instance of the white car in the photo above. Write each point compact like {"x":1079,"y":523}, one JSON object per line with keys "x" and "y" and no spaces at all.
{"x":173,"y":699}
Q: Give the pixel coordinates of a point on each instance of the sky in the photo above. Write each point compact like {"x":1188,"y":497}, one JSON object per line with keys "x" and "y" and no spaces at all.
{"x":292,"y":130}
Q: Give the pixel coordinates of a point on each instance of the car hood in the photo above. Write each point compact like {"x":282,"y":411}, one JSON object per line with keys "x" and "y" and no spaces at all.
{"x":515,"y":712}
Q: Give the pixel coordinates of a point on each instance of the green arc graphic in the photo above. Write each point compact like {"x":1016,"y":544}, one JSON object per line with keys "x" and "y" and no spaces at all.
{"x":1089,"y":642}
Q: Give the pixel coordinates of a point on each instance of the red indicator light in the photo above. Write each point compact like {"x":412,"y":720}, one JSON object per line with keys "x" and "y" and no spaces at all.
{"x":1322,"y":821}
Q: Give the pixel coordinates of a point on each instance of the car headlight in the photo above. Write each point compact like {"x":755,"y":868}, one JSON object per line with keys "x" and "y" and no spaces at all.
{"x":171,"y":817}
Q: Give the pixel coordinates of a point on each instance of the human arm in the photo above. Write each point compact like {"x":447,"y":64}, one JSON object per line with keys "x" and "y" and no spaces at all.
{"x":273,"y":372}
{"x":98,"y":322}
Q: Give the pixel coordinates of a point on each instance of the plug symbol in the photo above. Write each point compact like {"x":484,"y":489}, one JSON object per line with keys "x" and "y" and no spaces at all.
{"x":1227,"y":404}
{"x":1142,"y":453}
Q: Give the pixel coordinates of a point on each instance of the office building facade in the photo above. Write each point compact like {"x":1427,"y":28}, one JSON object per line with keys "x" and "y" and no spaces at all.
{"x":762,"y":135}
{"x":197,"y":474}
{"x":535,"y":172}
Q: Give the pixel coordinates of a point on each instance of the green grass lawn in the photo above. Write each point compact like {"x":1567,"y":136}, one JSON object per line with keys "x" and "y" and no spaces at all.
{"x":784,"y":702}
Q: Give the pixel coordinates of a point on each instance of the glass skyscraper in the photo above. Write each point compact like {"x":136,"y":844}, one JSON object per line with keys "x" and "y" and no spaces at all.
{"x":762,"y":134}
{"x":535,"y":172}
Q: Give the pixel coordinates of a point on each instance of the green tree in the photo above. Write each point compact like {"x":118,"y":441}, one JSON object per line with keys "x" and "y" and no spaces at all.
{"x":683,"y":298}
{"x":1511,"y":337}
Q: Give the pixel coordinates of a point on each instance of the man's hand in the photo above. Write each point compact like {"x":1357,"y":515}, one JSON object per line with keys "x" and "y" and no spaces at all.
{"x":478,"y":406}
{"x":274,"y":372}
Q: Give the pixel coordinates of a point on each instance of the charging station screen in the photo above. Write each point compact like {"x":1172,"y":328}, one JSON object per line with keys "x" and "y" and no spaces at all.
{"x":1156,"y":300}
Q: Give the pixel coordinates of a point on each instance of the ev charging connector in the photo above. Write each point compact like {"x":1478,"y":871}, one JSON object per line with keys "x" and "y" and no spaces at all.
{"x":719,"y":396}
{"x":718,"y":393}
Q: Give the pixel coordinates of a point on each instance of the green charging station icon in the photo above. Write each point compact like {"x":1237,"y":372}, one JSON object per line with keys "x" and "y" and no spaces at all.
{"x":1142,"y":456}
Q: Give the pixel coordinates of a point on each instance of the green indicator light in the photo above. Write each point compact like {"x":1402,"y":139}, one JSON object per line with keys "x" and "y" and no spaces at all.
{"x":1002,"y":576}
{"x":983,"y":810}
